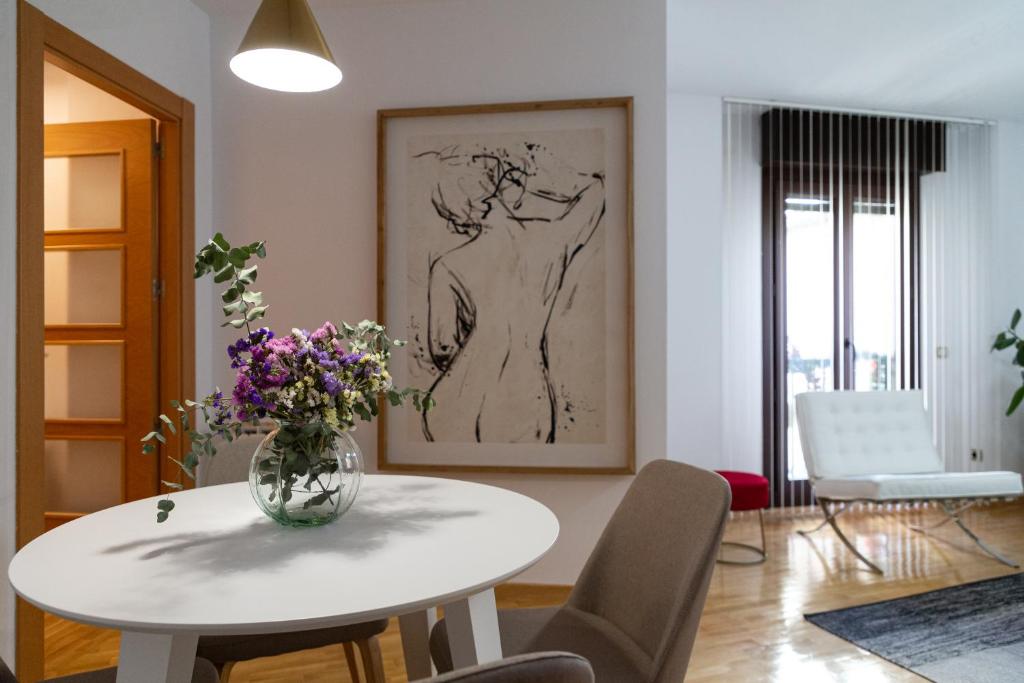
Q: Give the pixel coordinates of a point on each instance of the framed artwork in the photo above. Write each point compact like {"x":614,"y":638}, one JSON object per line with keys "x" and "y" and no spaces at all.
{"x":505,"y":260}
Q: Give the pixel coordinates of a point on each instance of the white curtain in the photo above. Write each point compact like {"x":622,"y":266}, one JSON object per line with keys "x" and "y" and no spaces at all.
{"x":959,"y":372}
{"x":944,"y":312}
{"x":742,"y":415}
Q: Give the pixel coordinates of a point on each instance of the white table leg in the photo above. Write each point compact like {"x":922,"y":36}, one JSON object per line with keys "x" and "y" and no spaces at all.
{"x":415,"y":630}
{"x":473,"y":629}
{"x":156,"y":657}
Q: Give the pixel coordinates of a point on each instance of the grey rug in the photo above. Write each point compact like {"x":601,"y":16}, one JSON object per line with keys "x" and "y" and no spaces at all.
{"x":972,"y":633}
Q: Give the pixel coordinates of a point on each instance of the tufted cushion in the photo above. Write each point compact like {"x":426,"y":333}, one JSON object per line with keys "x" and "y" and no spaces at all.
{"x":853,"y":433}
{"x":749,"y":491}
{"x":921,"y":486}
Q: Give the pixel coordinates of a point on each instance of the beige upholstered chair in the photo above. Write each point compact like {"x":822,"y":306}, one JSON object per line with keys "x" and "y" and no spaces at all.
{"x":635,"y":609}
{"x":204,"y":672}
{"x":231,"y":464}
{"x":539,"y":667}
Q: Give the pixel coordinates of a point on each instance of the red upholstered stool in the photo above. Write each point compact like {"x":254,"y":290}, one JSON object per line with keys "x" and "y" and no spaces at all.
{"x":749,"y":492}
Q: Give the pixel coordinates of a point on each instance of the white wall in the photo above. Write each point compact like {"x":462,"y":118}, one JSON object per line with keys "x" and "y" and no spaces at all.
{"x":1008,"y":288}
{"x":299,"y":170}
{"x":167,"y":40}
{"x":694,"y":282}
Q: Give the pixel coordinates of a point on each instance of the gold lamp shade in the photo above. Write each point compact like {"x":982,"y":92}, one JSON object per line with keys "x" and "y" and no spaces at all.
{"x":285,"y":50}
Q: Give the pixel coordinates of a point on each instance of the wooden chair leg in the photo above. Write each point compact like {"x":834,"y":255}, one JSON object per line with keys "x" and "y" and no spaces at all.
{"x":225,"y":671}
{"x":350,"y":658}
{"x":373,"y":663}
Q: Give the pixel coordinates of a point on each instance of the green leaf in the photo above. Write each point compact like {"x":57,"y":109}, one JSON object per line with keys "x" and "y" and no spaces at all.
{"x":230,"y":294}
{"x":170,"y":425}
{"x":224,"y":274}
{"x":148,"y":448}
{"x":148,"y":437}
{"x":161,"y":517}
{"x":1018,"y":396}
{"x":1019,"y":358}
{"x":1015,"y":319}
{"x":166,"y":505}
{"x":252,"y":297}
{"x":232,"y":308}
{"x":237,"y":257}
{"x":172,"y":485}
{"x":161,"y":438}
{"x":234,"y":323}
{"x":247,"y":275}
{"x":219,"y":240}
{"x":1002,"y":342}
{"x":255,"y":312}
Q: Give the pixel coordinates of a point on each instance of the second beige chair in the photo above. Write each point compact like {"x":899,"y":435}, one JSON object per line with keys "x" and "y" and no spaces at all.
{"x":635,"y":610}
{"x":539,"y":667}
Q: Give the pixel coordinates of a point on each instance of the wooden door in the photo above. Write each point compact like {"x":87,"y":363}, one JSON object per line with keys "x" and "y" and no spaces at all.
{"x":100,"y":295}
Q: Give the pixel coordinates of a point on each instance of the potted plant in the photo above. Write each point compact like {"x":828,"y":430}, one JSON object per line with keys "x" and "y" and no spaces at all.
{"x":1010,"y":339}
{"x":312,"y":385}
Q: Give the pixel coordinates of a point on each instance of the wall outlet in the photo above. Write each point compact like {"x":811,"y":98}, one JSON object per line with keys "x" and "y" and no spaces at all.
{"x":977,"y":455}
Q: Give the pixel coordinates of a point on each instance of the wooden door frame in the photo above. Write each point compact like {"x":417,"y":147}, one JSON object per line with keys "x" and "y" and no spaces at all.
{"x":43,"y":39}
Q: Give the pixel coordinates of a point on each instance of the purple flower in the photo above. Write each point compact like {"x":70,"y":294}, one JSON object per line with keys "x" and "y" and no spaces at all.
{"x":331,"y":383}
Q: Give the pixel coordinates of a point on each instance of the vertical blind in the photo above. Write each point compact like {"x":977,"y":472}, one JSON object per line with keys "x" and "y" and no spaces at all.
{"x":855,"y":258}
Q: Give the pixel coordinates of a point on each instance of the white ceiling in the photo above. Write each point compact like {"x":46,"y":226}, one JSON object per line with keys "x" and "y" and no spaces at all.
{"x":952,"y":57}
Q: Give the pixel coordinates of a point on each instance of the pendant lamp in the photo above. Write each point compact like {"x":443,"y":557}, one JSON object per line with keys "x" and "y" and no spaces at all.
{"x":285,"y":50}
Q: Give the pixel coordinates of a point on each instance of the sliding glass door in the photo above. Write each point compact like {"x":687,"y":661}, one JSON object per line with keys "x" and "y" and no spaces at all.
{"x":840,"y":266}
{"x":843,"y":299}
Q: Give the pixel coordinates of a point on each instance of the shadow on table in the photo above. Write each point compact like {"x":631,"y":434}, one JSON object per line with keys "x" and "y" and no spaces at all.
{"x":379,"y":517}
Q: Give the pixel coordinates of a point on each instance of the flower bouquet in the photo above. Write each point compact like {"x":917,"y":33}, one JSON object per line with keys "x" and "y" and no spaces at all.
{"x":313,"y":385}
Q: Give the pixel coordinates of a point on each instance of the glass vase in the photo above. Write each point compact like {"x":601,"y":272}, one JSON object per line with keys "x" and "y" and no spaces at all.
{"x":305,"y":475}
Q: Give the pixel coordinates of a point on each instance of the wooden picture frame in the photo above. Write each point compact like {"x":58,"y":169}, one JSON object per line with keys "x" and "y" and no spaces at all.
{"x":578,"y":155}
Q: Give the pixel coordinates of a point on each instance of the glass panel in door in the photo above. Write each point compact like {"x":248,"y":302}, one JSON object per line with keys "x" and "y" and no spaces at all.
{"x":876,"y":295}
{"x":810,"y":305}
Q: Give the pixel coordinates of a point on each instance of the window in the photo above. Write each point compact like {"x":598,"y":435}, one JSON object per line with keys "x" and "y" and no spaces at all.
{"x":841,"y":265}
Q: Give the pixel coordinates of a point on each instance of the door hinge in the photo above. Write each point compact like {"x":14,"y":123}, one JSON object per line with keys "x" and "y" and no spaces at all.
{"x":158,"y":150}
{"x":158,"y":288}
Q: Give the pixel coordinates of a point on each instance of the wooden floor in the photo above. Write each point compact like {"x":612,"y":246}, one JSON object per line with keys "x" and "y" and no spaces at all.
{"x":753,"y":627}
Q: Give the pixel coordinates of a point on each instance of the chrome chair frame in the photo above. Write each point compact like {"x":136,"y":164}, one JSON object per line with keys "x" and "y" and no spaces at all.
{"x":952,"y":507}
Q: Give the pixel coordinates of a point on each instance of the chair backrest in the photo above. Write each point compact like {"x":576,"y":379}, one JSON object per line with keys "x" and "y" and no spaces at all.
{"x":536,"y":667}
{"x":649,"y":574}
{"x":851,"y":433}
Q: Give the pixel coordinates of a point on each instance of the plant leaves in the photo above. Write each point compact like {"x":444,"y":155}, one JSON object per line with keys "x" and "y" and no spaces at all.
{"x":1002,"y":342}
{"x":1015,"y":319}
{"x":255,"y":312}
{"x":170,"y":425}
{"x":224,"y":274}
{"x":1018,"y":396}
{"x":237,"y":257}
{"x":247,"y":275}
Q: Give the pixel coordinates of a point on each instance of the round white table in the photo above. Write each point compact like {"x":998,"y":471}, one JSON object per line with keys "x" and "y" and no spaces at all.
{"x":219,"y":566}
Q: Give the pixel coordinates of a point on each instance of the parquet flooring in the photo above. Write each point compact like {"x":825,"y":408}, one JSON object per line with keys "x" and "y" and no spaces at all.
{"x":753,"y":627}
